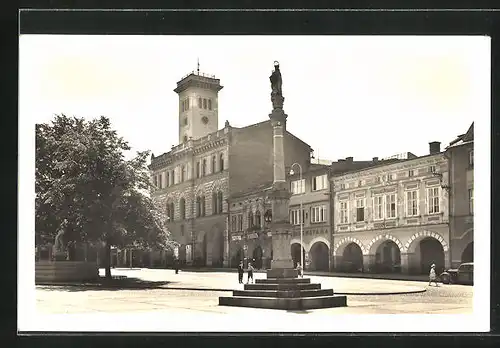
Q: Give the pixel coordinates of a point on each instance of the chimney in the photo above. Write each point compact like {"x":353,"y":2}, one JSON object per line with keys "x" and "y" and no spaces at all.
{"x":375,"y":159}
{"x":434,"y":147}
{"x":349,"y":159}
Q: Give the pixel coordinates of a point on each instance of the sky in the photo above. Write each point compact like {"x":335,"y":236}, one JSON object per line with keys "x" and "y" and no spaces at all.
{"x":358,"y":96}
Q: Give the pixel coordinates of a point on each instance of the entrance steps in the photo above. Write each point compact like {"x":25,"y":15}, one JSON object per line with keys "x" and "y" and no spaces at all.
{"x":284,"y":293}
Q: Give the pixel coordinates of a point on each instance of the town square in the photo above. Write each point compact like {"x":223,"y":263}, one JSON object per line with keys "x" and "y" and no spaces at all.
{"x":227,"y":217}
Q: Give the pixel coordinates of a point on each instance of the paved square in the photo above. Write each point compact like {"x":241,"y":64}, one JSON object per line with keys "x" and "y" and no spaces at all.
{"x":197,"y":293}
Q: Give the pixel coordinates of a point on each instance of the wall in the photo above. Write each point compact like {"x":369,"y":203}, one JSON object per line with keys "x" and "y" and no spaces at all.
{"x":461,"y":221}
{"x":251,"y":155}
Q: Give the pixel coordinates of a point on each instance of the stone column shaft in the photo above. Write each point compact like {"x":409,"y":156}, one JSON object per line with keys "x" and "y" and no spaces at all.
{"x":279,"y":155}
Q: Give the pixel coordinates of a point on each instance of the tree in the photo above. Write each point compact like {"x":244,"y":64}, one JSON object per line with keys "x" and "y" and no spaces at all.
{"x":82,"y":178}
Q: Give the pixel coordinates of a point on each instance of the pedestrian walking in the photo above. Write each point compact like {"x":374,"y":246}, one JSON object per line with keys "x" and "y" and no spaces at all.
{"x":250,"y":273}
{"x":300,"y":270}
{"x":176,"y":266}
{"x":432,"y":275}
{"x":240,"y":273}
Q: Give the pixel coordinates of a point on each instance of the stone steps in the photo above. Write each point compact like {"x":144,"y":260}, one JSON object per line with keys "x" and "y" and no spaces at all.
{"x":284,"y":293}
{"x":283,"y":281}
{"x":301,"y":303}
{"x":284,"y":290}
{"x":282,"y":286}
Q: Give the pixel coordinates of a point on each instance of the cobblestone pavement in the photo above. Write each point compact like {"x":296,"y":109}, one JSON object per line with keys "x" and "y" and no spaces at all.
{"x":180,"y":297}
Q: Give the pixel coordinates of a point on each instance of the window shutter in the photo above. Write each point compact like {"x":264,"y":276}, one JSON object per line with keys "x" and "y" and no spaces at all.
{"x":406,"y":206}
{"x":426,"y":198}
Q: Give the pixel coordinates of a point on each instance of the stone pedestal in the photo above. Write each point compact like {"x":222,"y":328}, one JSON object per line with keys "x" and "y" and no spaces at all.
{"x":284,"y":293}
{"x":60,"y":255}
{"x":49,"y":272}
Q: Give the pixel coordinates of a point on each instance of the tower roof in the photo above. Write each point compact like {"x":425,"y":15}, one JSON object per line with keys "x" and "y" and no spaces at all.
{"x":200,"y":80}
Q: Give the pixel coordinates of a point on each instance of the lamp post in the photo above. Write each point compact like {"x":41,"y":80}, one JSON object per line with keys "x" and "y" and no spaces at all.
{"x":300,"y":216}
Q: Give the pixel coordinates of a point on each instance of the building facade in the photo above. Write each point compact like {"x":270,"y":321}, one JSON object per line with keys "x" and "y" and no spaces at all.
{"x":393,"y":217}
{"x":250,"y":237}
{"x":249,"y":227}
{"x":312,"y":191}
{"x":460,"y":154}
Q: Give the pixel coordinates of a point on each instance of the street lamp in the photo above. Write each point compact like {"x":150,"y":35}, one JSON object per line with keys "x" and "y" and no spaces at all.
{"x":301,"y":215}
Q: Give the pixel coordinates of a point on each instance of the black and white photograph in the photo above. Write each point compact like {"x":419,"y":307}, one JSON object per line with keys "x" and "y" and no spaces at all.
{"x":254,"y":183}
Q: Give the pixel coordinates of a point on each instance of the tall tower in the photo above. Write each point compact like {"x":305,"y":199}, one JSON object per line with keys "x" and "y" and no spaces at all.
{"x":282,"y":265}
{"x":198,"y":105}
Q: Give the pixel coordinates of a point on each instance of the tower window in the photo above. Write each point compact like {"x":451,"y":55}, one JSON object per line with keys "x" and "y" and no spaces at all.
{"x":204,"y":103}
{"x":209,"y":104}
{"x":221,"y":162}
{"x":204,"y":168}
{"x":185,"y":138}
{"x":199,"y":103}
{"x":197,"y":169}
{"x":185,"y":121}
{"x":214,"y":163}
{"x":183,"y":173}
{"x":187,"y":104}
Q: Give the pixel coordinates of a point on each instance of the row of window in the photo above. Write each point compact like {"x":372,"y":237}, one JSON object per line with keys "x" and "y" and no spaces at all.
{"x":179,"y":174}
{"x":202,"y":166}
{"x":203,"y":103}
{"x":387,"y":178}
{"x":317,"y":183}
{"x":217,"y":206}
{"x":317,"y":213}
{"x":172,"y":177}
{"x":385,"y":206}
{"x":252,"y":221}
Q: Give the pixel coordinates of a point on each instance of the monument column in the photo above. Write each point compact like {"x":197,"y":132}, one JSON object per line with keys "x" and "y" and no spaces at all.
{"x":282,"y":264}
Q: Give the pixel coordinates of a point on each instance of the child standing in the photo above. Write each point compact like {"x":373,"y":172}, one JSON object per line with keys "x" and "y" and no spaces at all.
{"x":250,"y":273}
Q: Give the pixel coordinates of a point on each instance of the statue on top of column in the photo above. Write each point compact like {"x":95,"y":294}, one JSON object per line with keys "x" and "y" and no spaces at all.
{"x":276,"y":81}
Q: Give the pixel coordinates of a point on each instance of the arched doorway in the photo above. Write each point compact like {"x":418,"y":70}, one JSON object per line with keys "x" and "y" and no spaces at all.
{"x":217,"y":249}
{"x":257,"y":257}
{"x":388,"y":258}
{"x":295,"y":251}
{"x":431,"y":252}
{"x":202,"y":260}
{"x":352,"y":259}
{"x":319,"y":255}
{"x":468,"y":253}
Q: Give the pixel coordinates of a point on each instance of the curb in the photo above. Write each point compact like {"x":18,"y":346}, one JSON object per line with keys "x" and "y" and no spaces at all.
{"x":334,"y":292}
{"x":409,"y":292}
{"x":371,"y":276}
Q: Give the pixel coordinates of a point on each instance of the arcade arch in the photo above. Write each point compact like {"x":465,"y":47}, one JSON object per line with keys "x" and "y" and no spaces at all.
{"x":426,"y":248}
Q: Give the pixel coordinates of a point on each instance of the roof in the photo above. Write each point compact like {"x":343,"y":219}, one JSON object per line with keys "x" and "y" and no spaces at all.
{"x":463,"y":139}
{"x":381,"y":164}
{"x":253,"y":190}
{"x":317,"y":166}
{"x":269,"y":122}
